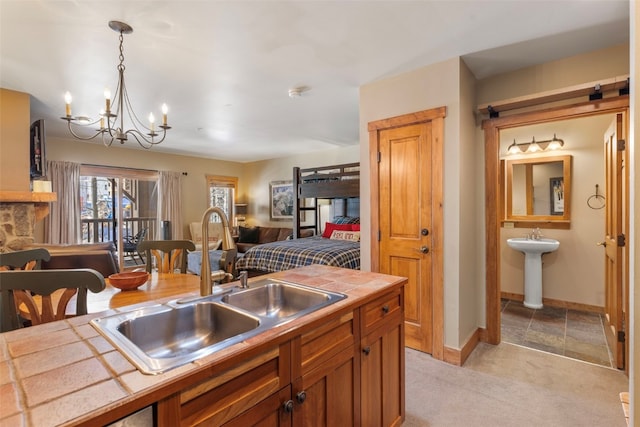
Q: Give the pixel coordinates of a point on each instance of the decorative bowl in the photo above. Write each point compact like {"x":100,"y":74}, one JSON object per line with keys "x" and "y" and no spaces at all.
{"x":128,"y":281}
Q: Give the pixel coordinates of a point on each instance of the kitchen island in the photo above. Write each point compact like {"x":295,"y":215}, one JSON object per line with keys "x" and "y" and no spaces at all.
{"x":343,"y":364}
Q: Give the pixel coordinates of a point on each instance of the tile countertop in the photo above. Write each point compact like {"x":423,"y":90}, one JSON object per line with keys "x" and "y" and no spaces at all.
{"x":64,"y":373}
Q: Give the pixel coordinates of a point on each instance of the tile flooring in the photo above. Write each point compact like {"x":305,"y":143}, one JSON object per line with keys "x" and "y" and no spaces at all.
{"x":575,"y":334}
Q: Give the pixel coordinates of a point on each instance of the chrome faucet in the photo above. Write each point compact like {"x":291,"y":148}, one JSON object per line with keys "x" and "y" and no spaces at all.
{"x":229,"y":251}
{"x":536,"y":234}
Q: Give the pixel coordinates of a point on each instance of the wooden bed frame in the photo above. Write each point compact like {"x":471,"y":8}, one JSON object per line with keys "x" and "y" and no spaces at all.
{"x":326,"y":182}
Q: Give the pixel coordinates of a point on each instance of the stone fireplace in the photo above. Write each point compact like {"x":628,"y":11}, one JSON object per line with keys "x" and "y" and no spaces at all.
{"x":19,"y":213}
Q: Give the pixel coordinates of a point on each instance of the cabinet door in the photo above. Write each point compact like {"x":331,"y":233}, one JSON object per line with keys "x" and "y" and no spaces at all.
{"x":325,"y":396}
{"x":382,"y":376}
{"x":324,"y":372}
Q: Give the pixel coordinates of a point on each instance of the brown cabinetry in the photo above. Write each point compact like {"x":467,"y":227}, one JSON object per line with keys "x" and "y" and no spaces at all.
{"x":382,"y":362}
{"x":324,"y":385}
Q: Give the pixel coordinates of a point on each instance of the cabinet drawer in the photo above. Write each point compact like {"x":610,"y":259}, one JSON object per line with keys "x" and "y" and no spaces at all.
{"x":374,"y":313}
{"x":321,"y":344}
{"x":219,"y":399}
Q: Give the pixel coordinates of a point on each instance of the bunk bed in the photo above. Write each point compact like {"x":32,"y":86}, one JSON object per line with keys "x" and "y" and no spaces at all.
{"x":341,"y":185}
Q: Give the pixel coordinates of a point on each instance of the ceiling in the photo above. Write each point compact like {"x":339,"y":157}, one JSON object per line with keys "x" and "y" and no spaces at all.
{"x":225,"y":67}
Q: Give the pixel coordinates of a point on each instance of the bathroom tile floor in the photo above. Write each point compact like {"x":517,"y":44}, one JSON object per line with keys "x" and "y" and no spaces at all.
{"x":571,"y":333}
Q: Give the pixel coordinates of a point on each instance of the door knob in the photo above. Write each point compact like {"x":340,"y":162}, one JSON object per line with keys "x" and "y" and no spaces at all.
{"x":288,"y":406}
{"x":601,"y":244}
{"x":424,"y":249}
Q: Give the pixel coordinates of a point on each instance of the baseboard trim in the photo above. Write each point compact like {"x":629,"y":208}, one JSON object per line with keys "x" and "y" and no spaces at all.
{"x":556,"y":303}
{"x":457,"y":357}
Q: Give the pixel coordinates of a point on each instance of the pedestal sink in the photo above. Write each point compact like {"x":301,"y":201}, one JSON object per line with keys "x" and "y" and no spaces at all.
{"x":533,"y":250}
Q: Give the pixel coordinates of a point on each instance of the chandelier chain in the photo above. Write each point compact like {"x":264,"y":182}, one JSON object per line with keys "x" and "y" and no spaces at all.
{"x":121,"y":57}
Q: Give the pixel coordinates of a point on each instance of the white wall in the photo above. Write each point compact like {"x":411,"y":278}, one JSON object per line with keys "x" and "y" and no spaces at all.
{"x":429,"y":87}
{"x":471,"y":254}
{"x":575,"y":272}
{"x":585,"y":68}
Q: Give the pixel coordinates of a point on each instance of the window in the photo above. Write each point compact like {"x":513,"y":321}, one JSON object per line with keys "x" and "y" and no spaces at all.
{"x":117,"y":204}
{"x":221,"y":192}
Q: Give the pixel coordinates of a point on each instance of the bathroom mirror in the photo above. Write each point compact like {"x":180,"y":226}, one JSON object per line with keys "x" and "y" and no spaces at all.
{"x":538,"y":192}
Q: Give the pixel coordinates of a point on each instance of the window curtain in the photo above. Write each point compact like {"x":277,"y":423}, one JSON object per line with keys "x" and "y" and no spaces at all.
{"x":170,"y":203}
{"x":63,"y":224}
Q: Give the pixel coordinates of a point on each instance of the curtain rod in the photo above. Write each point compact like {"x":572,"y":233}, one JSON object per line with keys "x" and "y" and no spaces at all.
{"x":120,"y":167}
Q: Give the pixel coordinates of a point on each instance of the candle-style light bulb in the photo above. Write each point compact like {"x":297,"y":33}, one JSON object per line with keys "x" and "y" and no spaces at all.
{"x":67,"y":101}
{"x":165,"y":110}
{"x":107,"y":99}
{"x":101,"y":119}
{"x":152,"y":120}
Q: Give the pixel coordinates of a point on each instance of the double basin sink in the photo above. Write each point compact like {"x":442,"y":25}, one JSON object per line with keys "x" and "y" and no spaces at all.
{"x":161,"y":337}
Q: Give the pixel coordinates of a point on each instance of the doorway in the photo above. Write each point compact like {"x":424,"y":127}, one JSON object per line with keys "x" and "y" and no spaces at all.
{"x":119,"y":205}
{"x":494,"y":249}
{"x":571,"y":321}
{"x":406,"y":184}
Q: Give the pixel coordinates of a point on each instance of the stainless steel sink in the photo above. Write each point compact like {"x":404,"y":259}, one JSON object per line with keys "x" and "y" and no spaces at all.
{"x":172,"y":333}
{"x":162,"y":337}
{"x":280,"y":299}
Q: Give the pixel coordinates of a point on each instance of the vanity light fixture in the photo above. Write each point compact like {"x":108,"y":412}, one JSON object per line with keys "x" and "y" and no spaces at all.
{"x":111,"y":119}
{"x":534,"y":146}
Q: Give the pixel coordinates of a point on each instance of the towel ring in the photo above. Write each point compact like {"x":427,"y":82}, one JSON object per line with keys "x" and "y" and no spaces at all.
{"x":596,"y":201}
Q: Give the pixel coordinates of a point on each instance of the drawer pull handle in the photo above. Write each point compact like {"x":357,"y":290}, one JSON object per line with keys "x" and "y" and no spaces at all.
{"x":385,"y":309}
{"x":301,"y":396}
{"x":288,"y":406}
{"x":366,"y":350}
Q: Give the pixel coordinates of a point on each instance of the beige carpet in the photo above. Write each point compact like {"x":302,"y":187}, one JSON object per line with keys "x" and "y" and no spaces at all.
{"x":509,"y":385}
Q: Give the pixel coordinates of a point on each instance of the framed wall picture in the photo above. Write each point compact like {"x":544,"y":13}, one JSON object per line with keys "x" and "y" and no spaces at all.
{"x":556,"y":188}
{"x":281,"y":199}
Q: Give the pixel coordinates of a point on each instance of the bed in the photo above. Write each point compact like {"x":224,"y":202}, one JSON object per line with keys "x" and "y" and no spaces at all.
{"x":288,"y":254}
{"x":341,"y":185}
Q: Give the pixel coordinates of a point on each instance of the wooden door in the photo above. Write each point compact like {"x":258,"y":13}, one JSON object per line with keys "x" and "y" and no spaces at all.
{"x":406,"y":227}
{"x":614,"y":240}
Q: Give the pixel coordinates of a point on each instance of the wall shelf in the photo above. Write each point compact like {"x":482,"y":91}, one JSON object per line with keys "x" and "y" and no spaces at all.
{"x":27,"y":197}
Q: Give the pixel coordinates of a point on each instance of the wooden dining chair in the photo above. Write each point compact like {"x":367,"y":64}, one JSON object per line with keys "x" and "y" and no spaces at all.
{"x":170,"y":255}
{"x":18,"y":287}
{"x":30,"y":259}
